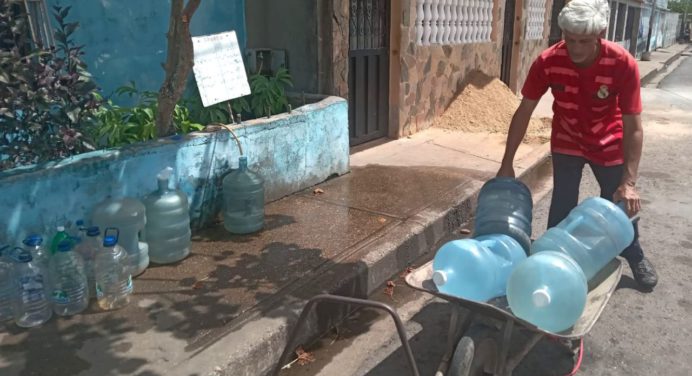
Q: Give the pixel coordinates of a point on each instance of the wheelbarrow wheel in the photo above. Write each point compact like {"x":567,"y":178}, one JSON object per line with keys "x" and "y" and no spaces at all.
{"x":476,"y":353}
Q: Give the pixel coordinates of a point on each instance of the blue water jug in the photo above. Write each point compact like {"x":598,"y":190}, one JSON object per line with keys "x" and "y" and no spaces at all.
{"x":592,"y":234}
{"x":549,"y":290}
{"x":243,"y":196}
{"x":476,"y":269}
{"x":505,"y":207}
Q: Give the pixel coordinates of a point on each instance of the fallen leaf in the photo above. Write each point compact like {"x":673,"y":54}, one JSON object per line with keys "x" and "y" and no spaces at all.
{"x":406,"y":272}
{"x":382,"y":219}
{"x":464,"y":231}
{"x":389,"y":290}
{"x":197,"y":285}
{"x":318,"y":191}
{"x":304,"y":357}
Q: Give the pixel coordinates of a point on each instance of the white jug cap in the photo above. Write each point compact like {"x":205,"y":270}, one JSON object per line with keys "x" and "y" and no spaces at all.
{"x":541,"y":298}
{"x":439,"y":277}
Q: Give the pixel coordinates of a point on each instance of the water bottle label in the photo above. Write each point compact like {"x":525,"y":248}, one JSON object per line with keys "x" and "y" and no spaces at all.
{"x":31,"y":289}
{"x":60,"y":297}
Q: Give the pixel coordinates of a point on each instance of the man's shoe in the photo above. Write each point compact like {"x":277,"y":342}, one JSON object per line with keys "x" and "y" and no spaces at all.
{"x":644,"y":273}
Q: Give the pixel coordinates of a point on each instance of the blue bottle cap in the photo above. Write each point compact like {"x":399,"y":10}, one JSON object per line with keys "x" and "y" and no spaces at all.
{"x":33,"y":240}
{"x":79,"y":222}
{"x":65,"y":246}
{"x":110,"y":241}
{"x":93,"y":231}
{"x":21,"y":255}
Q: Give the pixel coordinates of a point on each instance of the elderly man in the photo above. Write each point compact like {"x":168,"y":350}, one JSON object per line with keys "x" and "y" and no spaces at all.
{"x":596,"y":118}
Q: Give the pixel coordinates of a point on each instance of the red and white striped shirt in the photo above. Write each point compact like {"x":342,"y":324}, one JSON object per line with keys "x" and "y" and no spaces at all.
{"x":589,"y":102}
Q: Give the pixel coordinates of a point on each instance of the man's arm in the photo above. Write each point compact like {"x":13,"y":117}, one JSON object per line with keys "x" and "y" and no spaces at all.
{"x":632,"y":141}
{"x":516,"y":133}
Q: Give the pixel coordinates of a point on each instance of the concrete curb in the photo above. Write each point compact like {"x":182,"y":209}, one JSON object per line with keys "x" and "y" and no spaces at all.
{"x":254,"y":346}
{"x":650,"y":76}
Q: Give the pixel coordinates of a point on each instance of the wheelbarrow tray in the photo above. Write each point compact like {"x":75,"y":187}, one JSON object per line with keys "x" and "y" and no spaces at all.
{"x":601,"y":287}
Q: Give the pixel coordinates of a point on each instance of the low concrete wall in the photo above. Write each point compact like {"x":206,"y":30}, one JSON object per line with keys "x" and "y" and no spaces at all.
{"x":291,"y":151}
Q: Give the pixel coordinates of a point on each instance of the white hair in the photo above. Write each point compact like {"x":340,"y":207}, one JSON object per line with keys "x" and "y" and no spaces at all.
{"x":584,"y":17}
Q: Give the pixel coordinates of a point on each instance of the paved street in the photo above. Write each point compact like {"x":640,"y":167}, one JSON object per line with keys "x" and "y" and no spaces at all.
{"x":638,"y":334}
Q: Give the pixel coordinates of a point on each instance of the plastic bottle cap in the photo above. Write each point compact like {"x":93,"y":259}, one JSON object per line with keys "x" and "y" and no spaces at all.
{"x":64,"y":246}
{"x":541,"y":298}
{"x":110,"y":241}
{"x":165,"y":174}
{"x":33,"y":240}
{"x":21,"y":255}
{"x":93,"y":231}
{"x":439,"y":277}
{"x":61,"y":228}
{"x":79,"y":222}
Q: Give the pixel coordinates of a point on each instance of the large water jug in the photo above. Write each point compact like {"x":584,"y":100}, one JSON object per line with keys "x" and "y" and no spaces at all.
{"x":88,"y":248}
{"x":68,"y":281}
{"x":549,"y":290}
{"x":243,"y":196}
{"x":476,"y":269}
{"x":505,"y":207}
{"x":127,"y":214}
{"x":167,"y":231}
{"x":30,"y":302}
{"x":113,"y":278}
{"x":592,"y":234}
{"x":5,"y":284}
{"x":34,"y":245}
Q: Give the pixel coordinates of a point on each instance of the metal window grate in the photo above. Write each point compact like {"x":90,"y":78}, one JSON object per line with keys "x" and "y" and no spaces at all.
{"x":39,"y":23}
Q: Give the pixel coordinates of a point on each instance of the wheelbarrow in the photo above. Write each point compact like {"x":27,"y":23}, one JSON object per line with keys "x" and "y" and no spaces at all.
{"x":480,"y":338}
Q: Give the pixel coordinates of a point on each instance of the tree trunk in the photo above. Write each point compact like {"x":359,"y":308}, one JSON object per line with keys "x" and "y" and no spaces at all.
{"x":179,"y":62}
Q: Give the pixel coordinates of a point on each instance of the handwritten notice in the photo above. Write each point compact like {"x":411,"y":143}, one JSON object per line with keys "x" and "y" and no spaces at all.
{"x":219,"y":69}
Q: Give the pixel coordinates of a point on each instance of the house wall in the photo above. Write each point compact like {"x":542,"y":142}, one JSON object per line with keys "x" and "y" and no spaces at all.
{"x":290,"y":151}
{"x":432,"y":75}
{"x":528,"y":50}
{"x":125,"y":40}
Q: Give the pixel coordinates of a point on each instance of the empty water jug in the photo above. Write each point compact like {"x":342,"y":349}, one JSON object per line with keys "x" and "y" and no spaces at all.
{"x":243,"y":196}
{"x":128,"y":216}
{"x":167,"y":231}
{"x":505,"y":207}
{"x":5,"y":284}
{"x":476,"y":269}
{"x":68,"y":281}
{"x":30,"y":303}
{"x":113,"y":278}
{"x":34,"y":244}
{"x":593,"y":233}
{"x":549,"y":290}
{"x":88,"y":248}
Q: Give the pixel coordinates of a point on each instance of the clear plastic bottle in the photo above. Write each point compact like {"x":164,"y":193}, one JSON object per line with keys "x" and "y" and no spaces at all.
{"x":112,"y":272}
{"x":167,"y":231}
{"x":34,"y":244}
{"x":5,"y":284}
{"x":88,"y":249}
{"x":30,"y":304}
{"x":68,"y":281}
{"x":59,"y":236}
{"x":476,"y":269}
{"x":549,"y":290}
{"x":243,"y":196}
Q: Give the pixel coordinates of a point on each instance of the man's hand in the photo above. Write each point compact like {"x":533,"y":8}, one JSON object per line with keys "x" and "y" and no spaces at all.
{"x":506,"y":171}
{"x":628,"y":193}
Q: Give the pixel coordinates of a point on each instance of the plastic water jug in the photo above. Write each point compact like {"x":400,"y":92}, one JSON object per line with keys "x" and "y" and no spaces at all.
{"x":592,"y":234}
{"x":5,"y":284}
{"x":59,"y":236}
{"x":30,"y":304}
{"x":505,"y":207}
{"x":34,"y":244}
{"x":68,"y":281}
{"x":167,"y":231}
{"x":549,"y":290}
{"x":476,"y":269}
{"x":113,"y":278}
{"x":243,"y":195}
{"x":88,"y":248}
{"x":128,"y":216}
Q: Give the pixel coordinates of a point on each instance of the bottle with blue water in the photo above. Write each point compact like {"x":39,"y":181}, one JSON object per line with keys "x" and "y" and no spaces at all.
{"x":593,"y":234}
{"x":88,"y":249}
{"x":243,"y":196}
{"x":34,"y":244}
{"x":68,"y":281}
{"x":5,"y":284}
{"x":30,"y":303}
{"x":167,"y":231}
{"x":112,"y":272}
{"x":476,"y":269}
{"x":505,"y":207}
{"x":549,"y":290}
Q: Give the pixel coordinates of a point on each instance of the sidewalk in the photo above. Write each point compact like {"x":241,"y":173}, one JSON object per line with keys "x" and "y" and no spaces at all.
{"x":227,"y":309}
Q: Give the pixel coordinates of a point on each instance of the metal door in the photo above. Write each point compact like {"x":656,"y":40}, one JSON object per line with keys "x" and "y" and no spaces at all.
{"x":368,"y":86}
{"x":507,"y":42}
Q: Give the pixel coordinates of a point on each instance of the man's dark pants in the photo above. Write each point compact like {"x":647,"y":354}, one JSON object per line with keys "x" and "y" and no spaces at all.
{"x":567,"y":172}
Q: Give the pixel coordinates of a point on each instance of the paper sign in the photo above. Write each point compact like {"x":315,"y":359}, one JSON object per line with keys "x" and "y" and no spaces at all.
{"x":219,"y":69}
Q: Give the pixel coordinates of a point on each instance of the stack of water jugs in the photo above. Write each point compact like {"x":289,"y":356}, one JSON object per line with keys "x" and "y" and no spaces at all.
{"x":95,"y":262}
{"x":548,"y":288}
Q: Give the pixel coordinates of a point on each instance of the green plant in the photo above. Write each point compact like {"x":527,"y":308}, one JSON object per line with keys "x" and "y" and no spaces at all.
{"x":268,"y":93}
{"x":47,"y":97}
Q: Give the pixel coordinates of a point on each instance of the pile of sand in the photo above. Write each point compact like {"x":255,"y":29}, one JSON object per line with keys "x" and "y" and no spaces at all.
{"x":487,"y":105}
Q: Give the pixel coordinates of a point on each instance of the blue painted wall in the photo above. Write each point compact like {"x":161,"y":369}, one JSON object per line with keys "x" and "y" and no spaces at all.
{"x":126,"y":39}
{"x":291,"y":152}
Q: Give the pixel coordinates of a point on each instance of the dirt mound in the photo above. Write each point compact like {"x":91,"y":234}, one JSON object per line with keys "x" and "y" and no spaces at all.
{"x":487,"y":105}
